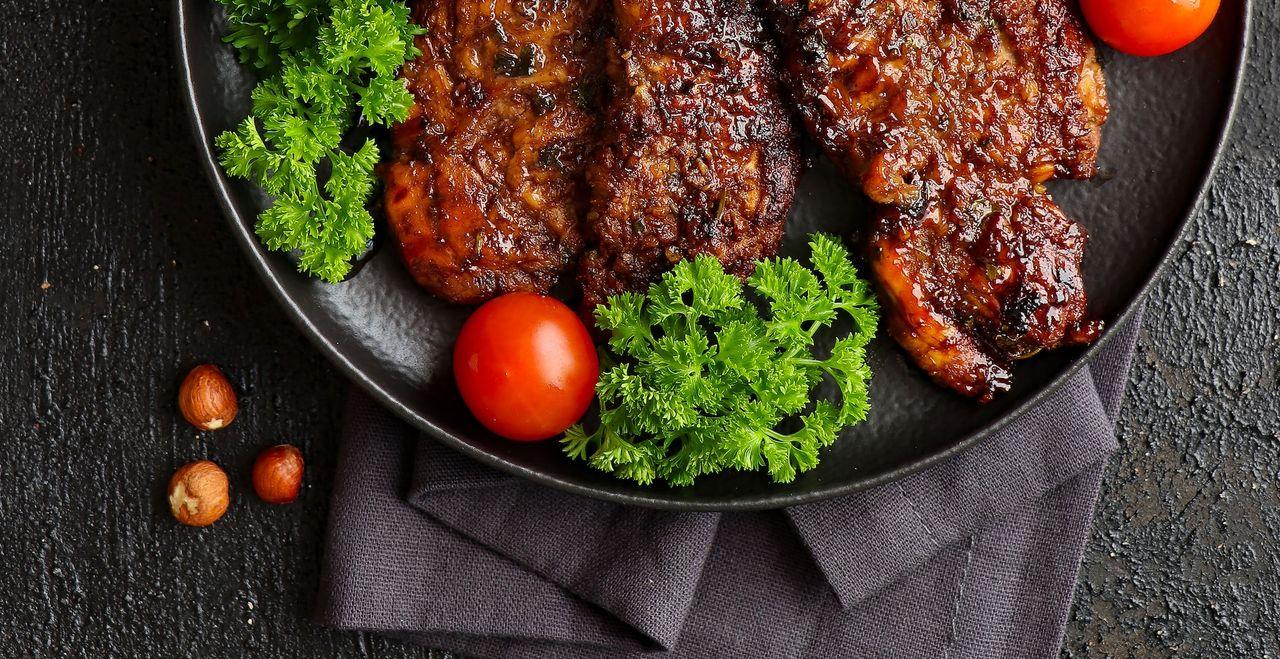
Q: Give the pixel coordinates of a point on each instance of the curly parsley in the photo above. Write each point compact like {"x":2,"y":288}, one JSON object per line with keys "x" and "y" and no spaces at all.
{"x":322,"y":63}
{"x":704,"y":382}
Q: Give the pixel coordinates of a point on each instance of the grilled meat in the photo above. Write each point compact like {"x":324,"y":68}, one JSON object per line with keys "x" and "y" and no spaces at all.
{"x":699,"y":154}
{"x":952,"y":114}
{"x":485,"y":193}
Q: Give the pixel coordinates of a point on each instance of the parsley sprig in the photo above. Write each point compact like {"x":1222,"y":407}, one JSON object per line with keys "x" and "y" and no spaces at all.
{"x":322,"y":64}
{"x":703,"y":381}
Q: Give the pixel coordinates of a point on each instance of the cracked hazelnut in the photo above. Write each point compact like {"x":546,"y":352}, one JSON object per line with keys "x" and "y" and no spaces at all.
{"x":206,"y":398}
{"x":198,"y":493}
{"x":277,"y":474}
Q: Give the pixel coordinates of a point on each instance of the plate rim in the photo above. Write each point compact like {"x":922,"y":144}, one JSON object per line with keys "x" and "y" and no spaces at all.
{"x":258,"y":258}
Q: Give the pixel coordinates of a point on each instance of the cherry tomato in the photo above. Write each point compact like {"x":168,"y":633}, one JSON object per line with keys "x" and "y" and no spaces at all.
{"x":526,"y":366}
{"x":1149,"y":27}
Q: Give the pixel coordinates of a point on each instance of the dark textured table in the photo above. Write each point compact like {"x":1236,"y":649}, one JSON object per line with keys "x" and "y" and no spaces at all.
{"x":120,"y":276}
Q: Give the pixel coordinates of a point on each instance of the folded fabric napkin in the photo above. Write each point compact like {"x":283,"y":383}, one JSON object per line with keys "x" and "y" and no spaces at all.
{"x":976,"y":557}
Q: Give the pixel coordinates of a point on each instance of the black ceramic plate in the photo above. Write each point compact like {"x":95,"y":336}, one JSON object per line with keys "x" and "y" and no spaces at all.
{"x":1169,"y":117}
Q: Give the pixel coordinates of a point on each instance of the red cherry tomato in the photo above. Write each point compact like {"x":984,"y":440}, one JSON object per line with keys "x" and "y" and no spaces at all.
{"x":1149,"y":27}
{"x":526,"y":366}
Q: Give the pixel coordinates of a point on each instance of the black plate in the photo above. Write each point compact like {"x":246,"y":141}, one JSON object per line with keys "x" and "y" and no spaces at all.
{"x":1168,"y":122}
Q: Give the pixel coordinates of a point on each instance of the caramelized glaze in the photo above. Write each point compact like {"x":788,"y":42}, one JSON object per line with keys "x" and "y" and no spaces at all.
{"x":484,"y":193}
{"x":699,"y":154}
{"x":952,"y":114}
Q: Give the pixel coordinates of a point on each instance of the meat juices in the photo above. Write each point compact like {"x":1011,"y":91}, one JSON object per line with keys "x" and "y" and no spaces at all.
{"x":952,"y":114}
{"x":484,"y":193}
{"x":699,"y":153}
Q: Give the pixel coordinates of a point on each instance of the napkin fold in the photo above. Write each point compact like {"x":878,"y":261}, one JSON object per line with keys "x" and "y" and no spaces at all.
{"x":974,"y":557}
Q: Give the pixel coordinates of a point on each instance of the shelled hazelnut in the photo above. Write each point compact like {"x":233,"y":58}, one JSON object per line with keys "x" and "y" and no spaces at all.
{"x":277,"y":474}
{"x":206,"y":399}
{"x":198,"y":493}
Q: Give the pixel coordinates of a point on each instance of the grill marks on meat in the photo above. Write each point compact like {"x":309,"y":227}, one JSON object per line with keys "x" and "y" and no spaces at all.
{"x":952,"y":113}
{"x":484,"y":192}
{"x":487,"y":192}
{"x":699,"y":153}
{"x":949,"y":113}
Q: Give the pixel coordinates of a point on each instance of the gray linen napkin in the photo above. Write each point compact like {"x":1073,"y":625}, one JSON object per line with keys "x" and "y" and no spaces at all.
{"x":976,"y":557}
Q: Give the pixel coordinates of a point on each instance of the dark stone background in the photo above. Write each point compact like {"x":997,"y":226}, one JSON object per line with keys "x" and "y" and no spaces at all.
{"x":119,"y":276}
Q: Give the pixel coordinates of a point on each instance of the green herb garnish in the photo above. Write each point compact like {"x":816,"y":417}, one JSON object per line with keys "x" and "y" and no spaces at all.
{"x":704,"y":382}
{"x":322,"y":63}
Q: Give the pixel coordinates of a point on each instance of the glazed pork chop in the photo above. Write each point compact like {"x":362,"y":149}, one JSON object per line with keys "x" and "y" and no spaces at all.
{"x":699,"y":152}
{"x":484,"y":192}
{"x":952,"y":114}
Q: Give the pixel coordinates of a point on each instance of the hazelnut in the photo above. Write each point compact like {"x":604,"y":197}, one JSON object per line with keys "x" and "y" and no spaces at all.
{"x":277,"y":474}
{"x":198,"y":493}
{"x":206,"y":398}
